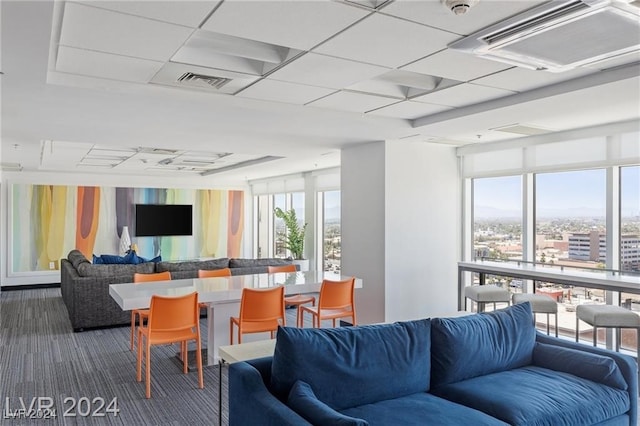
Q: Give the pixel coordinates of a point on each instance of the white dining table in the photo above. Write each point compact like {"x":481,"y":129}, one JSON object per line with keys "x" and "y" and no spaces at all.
{"x":222,"y":294}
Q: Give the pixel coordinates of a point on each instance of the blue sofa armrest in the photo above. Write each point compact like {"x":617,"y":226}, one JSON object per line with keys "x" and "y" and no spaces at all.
{"x":251,"y":403}
{"x":627,"y":365}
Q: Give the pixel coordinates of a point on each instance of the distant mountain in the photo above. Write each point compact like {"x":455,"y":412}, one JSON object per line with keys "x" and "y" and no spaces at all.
{"x":575,"y":212}
{"x":487,"y":212}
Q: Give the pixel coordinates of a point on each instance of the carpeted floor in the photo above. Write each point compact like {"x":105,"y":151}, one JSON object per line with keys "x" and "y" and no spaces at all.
{"x":40,"y":356}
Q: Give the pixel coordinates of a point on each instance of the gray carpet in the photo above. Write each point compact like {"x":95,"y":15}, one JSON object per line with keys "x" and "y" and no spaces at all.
{"x":40,"y":356}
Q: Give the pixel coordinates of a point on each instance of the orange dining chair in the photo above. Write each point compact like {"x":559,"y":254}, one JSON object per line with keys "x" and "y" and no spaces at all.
{"x":141,"y":314}
{"x":296,"y":299}
{"x":336,"y":301}
{"x":213,"y":273}
{"x":261,"y":310}
{"x":171,"y":320}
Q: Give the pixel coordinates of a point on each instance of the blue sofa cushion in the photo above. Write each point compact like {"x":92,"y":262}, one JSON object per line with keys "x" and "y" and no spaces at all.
{"x":304,"y":402}
{"x":538,"y":396}
{"x":351,"y":366}
{"x":420,"y":409}
{"x":587,"y":365}
{"x":475,"y":345}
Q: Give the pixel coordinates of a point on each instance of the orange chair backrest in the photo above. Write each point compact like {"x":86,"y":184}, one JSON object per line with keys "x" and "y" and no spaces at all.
{"x":173,"y":313}
{"x":282,"y":268}
{"x":158,"y":276}
{"x":262,"y":304}
{"x":212,"y":273}
{"x":336,"y":294}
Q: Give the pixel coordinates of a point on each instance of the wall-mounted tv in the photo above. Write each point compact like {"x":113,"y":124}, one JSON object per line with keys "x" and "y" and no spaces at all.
{"x":154,"y":220}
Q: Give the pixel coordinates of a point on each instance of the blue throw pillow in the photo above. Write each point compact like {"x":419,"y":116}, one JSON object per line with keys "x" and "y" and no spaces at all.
{"x":111,"y":259}
{"x":97,"y":260}
{"x":154,"y":260}
{"x":352,"y":366}
{"x":480,"y":344}
{"x":304,"y":402}
{"x":590,"y":366}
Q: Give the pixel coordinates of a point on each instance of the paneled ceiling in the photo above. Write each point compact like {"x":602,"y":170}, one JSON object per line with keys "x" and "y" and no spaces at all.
{"x":246,"y":89}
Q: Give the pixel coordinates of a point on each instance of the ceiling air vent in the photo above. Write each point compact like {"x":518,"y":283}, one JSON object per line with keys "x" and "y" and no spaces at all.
{"x":560,"y":35}
{"x":201,"y":80}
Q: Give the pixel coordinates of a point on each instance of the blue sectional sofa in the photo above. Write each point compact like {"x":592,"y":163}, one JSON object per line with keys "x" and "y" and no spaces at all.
{"x":482,"y":369}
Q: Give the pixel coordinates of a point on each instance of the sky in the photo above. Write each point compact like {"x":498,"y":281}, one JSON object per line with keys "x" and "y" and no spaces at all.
{"x":566,"y":194}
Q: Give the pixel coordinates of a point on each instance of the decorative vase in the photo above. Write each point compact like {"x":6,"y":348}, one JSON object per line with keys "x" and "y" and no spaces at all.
{"x":125,"y":241}
{"x":302,"y":263}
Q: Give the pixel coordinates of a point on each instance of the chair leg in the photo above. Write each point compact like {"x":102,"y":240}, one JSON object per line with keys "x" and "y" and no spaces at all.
{"x":185,"y":357}
{"x":547,"y":323}
{"x":577,"y":327}
{"x":199,"y":363}
{"x":231,"y":332}
{"x":618,"y":337}
{"x":139,"y":359}
{"x":148,"y":369}
{"x":556,"y":324}
{"x":595,"y":336}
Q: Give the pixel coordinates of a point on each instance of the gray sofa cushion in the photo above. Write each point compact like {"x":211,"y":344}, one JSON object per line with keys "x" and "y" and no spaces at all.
{"x":248,"y":263}
{"x":189,"y":269}
{"x":89,"y":270}
{"x":77,"y":258}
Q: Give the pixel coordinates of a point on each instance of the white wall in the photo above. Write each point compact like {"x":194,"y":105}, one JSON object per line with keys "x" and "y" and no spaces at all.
{"x":47,"y":178}
{"x":362,"y":226}
{"x":400,"y":233}
{"x":421,"y":232}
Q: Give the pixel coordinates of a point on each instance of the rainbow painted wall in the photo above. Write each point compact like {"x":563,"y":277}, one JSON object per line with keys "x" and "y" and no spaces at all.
{"x":47,"y":221}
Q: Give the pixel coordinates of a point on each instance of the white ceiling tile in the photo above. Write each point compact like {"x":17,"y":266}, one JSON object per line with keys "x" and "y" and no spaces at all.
{"x":382,"y":40}
{"x":105,"y":65}
{"x":326,"y":71}
{"x":297,"y":24}
{"x":280,"y":91}
{"x":456,"y":65}
{"x":463,"y":94}
{"x":523,"y":79}
{"x":92,"y":28}
{"x":187,"y":13}
{"x":483,"y":14}
{"x":354,"y":102}
{"x":409,"y":110}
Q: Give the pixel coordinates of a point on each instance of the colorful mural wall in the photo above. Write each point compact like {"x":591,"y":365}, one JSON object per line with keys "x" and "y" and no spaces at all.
{"x":47,"y":221}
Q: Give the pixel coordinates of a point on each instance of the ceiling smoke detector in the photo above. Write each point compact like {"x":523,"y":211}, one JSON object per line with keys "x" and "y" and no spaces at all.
{"x":459,"y":7}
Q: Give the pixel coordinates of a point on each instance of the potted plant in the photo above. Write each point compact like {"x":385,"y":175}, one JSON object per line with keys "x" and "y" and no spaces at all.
{"x":293,"y":238}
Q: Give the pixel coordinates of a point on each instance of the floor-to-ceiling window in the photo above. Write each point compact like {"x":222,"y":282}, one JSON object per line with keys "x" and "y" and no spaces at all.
{"x":630,"y":218}
{"x":329,"y":211}
{"x":580,"y":210}
{"x":570,"y":218}
{"x":497,"y":217}
{"x":315,"y":197}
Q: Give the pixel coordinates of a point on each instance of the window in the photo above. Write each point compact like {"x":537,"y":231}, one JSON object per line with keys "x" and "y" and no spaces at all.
{"x":630,"y":218}
{"x":570,"y":218}
{"x":329,"y":212}
{"x":497,"y":217}
{"x":270,"y":229}
{"x":566,"y":185}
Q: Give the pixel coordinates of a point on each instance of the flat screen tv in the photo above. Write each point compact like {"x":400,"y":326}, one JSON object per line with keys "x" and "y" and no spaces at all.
{"x":155,"y":220}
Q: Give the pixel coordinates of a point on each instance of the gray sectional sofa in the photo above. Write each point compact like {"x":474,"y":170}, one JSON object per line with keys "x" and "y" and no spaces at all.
{"x":85,"y":286}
